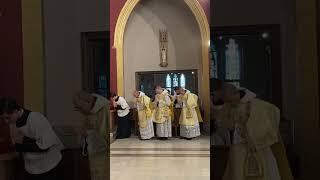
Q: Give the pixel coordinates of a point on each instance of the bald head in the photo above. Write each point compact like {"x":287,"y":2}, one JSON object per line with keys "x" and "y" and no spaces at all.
{"x":230,"y":93}
{"x":136,"y":93}
{"x":84,"y":101}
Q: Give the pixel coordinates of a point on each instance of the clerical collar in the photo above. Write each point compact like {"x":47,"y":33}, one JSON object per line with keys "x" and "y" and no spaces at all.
{"x":22,"y":121}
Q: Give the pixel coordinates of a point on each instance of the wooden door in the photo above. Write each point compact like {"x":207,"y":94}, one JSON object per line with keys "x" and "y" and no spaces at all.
{"x":96,"y":62}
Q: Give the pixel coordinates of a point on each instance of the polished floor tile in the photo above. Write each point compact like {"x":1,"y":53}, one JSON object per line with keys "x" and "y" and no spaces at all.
{"x":173,"y":159}
{"x":134,"y":142}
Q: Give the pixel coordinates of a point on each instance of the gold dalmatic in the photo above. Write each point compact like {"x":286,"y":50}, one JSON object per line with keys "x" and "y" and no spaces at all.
{"x":189,"y":110}
{"x":172,"y":108}
{"x":162,"y":112}
{"x":144,"y":112}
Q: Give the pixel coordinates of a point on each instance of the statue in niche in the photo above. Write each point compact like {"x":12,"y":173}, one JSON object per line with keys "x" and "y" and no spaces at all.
{"x":163,"y":48}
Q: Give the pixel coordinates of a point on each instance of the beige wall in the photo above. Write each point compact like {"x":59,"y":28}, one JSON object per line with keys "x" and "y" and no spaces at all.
{"x":141,"y":41}
{"x":63,"y":23}
{"x":248,"y":12}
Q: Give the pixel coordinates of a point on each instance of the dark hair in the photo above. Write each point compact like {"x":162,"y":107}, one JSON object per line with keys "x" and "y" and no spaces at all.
{"x":216,"y":84}
{"x":8,"y":105}
{"x":156,"y":86}
{"x":111,"y":95}
{"x":176,"y":88}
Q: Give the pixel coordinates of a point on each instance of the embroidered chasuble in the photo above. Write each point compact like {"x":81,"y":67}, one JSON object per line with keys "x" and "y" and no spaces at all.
{"x":198,"y":108}
{"x":162,"y":111}
{"x":144,"y":110}
{"x":97,"y":138}
{"x":257,"y":123}
{"x":188,"y":111}
{"x":172,"y":108}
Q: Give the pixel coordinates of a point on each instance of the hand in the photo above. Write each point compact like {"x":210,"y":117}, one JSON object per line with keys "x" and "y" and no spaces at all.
{"x":83,"y":132}
{"x":114,"y":104}
{"x":16,"y":135}
{"x":19,"y":138}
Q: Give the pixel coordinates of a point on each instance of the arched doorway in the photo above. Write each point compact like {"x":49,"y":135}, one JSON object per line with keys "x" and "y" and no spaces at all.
{"x":204,"y":28}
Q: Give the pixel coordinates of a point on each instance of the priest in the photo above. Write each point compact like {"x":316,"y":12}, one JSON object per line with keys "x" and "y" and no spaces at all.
{"x":162,"y":113}
{"x":94,"y":131}
{"x":189,"y":118}
{"x":144,"y":115}
{"x":255,"y":130}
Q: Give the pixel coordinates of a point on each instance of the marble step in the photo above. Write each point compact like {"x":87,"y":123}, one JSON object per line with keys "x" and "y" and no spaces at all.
{"x":158,"y":149}
{"x":159,"y":153}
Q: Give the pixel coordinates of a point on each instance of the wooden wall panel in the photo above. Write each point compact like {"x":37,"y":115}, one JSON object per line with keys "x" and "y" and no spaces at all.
{"x":11,"y":59}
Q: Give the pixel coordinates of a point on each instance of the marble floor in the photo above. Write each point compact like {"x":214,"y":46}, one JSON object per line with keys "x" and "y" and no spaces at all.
{"x":173,"y":159}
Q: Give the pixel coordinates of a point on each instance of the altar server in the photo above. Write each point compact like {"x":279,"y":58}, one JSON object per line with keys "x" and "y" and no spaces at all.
{"x":34,"y":137}
{"x":123,"y":112}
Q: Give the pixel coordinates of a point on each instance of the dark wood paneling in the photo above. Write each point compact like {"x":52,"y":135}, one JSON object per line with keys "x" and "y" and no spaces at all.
{"x":219,"y":159}
{"x":11,"y":58}
{"x":75,"y":166}
{"x":88,"y":41}
{"x":318,"y":37}
{"x":11,"y":55}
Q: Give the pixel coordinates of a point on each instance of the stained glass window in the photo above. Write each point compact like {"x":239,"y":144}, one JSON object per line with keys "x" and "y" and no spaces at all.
{"x":183,"y":81}
{"x":102,"y":84}
{"x":243,"y":59}
{"x":232,"y":61}
{"x":184,"y":78}
{"x":175,"y":80}
{"x":213,"y":61}
{"x":168,"y":81}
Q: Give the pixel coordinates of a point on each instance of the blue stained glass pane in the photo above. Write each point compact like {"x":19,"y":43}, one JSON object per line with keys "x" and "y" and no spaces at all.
{"x":232,"y":60}
{"x":183,"y":81}
{"x":213,"y":61}
{"x":168,"y":81}
{"x":175,"y":80}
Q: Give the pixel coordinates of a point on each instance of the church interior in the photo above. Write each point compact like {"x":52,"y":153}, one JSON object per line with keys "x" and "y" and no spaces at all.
{"x":51,"y":50}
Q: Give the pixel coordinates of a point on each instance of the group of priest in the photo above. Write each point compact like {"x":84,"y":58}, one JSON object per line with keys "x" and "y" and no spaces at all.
{"x":159,"y":112}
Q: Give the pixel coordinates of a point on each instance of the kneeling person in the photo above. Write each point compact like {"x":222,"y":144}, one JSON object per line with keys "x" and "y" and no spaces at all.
{"x":123,"y":112}
{"x":34,"y":137}
{"x":144,"y":115}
